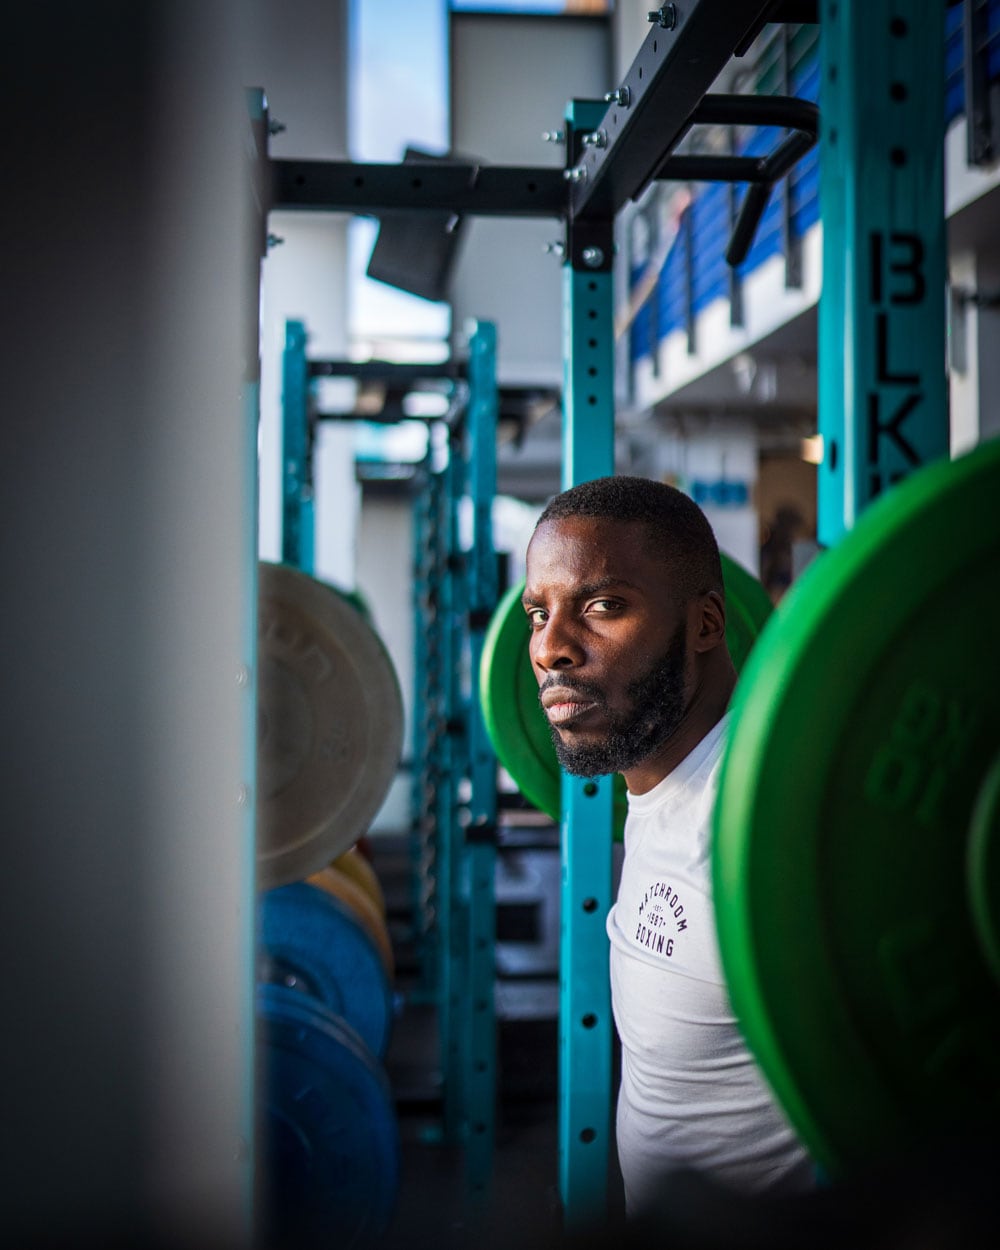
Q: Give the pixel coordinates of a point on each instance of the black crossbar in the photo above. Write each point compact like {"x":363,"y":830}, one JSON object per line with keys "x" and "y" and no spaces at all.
{"x":482,"y":190}
{"x":666,"y":82}
{"x":404,"y":374}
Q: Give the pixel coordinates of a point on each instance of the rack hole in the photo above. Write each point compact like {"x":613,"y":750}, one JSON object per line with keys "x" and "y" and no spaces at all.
{"x":898,"y":157}
{"x":898,"y":91}
{"x":898,"y":27}
{"x":589,"y":1020}
{"x":590,"y":904}
{"x":587,"y":1135}
{"x":590,"y":789}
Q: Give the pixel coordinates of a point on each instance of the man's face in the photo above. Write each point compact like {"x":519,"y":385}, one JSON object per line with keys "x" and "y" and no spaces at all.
{"x":608,"y":643}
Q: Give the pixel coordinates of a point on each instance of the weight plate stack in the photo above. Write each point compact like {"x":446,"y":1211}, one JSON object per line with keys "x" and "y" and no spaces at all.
{"x":330,"y":725}
{"x":313,"y":942}
{"x":856,"y":833}
{"x":328,"y":1143}
{"x":508,"y":690}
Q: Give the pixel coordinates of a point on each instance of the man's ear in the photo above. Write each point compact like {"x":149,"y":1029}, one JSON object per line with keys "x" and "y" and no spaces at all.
{"x":709,"y":620}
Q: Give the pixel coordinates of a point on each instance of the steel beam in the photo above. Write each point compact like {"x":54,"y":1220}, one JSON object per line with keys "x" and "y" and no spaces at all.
{"x":298,"y":523}
{"x":480,"y":834}
{"x":585,"y":1025}
{"x":883,"y":401}
{"x":674,"y":69}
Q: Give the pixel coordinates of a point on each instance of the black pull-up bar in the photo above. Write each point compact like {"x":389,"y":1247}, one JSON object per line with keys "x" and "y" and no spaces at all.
{"x":761,"y":172}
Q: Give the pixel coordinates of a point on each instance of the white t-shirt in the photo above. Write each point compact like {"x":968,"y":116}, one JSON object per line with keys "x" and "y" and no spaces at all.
{"x":691,"y":1095}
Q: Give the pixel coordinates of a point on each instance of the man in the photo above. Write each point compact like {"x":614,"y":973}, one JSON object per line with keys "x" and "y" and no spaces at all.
{"x":625,"y":602}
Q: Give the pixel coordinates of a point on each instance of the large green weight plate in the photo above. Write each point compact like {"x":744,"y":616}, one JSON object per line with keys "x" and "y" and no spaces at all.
{"x":509,"y":692}
{"x":856,"y":825}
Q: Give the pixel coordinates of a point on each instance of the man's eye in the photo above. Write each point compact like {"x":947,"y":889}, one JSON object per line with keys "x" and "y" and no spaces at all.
{"x":536,"y":617}
{"x":604,"y":605}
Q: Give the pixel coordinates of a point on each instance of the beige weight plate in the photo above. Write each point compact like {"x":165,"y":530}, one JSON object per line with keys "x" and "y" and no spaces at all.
{"x":330,"y":725}
{"x":337,"y":883}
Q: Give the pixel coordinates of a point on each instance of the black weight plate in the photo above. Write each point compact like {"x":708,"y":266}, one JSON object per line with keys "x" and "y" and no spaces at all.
{"x":328,"y":1144}
{"x":330,"y":725}
{"x":983,"y":868}
{"x":313,"y":941}
{"x":508,"y":690}
{"x":866,"y":724}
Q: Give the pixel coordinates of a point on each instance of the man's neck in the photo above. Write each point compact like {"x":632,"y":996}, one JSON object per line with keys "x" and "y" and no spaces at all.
{"x":701,"y":716}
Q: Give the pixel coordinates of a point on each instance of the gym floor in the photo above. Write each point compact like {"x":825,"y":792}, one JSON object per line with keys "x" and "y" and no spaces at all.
{"x":943,"y":1197}
{"x":522,"y":1205}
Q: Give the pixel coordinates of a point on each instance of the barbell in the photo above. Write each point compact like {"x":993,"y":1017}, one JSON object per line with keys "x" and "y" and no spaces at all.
{"x":857,"y":827}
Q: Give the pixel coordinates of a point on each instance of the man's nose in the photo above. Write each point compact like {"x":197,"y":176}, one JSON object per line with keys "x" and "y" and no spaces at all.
{"x":555,"y":646}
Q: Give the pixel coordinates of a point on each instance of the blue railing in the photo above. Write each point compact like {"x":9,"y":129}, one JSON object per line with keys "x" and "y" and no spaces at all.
{"x":695,"y":272}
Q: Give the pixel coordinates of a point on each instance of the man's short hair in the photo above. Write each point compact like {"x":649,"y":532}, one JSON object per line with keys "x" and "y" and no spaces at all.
{"x":677,"y":530}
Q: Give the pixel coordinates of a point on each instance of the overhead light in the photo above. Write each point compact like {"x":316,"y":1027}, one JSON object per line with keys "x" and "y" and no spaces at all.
{"x":812,"y":449}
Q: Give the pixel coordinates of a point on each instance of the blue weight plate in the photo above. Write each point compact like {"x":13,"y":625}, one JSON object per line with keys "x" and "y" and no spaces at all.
{"x":312,"y":941}
{"x":328,"y":1142}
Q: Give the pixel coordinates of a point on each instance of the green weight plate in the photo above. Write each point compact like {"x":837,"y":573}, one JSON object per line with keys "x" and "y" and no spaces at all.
{"x":509,"y":692}
{"x":330,"y":725}
{"x":866,"y":724}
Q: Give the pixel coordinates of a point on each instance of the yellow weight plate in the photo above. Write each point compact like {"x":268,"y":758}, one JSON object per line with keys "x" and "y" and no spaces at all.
{"x":349,"y":892}
{"x":354,"y":865}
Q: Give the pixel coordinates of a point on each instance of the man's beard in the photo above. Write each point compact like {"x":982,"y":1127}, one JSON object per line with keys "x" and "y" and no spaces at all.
{"x":657,"y":709}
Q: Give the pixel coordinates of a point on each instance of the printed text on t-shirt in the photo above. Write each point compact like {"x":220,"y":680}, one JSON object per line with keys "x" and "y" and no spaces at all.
{"x":660,"y":907}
